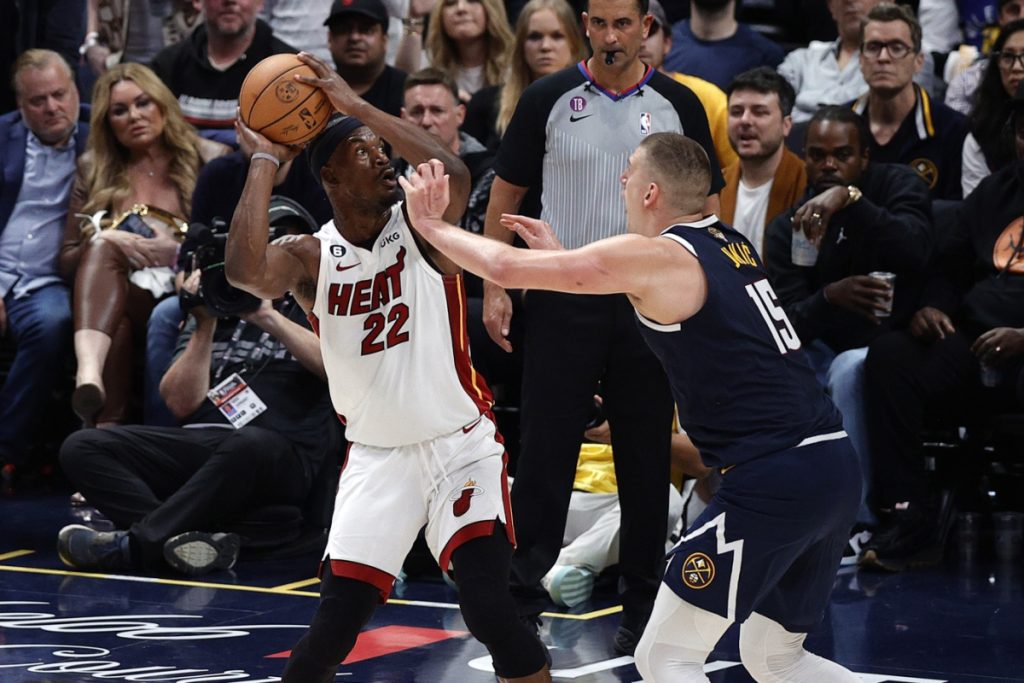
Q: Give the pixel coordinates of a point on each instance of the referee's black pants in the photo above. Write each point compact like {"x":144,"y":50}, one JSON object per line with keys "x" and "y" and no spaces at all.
{"x":574,"y":343}
{"x":162,"y":481}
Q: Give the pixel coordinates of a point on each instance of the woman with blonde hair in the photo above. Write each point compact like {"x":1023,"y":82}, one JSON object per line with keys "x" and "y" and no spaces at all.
{"x":547,"y":39}
{"x":469,"y":39}
{"x":132,"y":192}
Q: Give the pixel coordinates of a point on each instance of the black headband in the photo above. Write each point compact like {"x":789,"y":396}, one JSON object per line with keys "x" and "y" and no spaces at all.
{"x":322,"y":147}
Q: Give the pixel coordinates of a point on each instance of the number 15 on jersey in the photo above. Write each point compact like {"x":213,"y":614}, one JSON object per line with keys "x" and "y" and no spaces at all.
{"x":778,"y":324}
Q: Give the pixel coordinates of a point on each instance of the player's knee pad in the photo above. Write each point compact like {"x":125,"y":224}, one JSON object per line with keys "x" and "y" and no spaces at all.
{"x":487,"y":608}
{"x":490,"y":613}
{"x":771,"y":654}
{"x":345,"y":607}
{"x":677,"y":641}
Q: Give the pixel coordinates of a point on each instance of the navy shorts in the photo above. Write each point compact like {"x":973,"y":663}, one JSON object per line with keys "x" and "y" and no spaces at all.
{"x":771,"y":539}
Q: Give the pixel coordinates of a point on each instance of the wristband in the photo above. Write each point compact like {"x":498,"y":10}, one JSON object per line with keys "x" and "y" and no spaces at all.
{"x":269,"y":157}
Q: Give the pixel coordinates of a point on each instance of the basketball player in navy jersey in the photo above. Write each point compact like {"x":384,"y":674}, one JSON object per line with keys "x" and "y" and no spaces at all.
{"x":766,"y":549}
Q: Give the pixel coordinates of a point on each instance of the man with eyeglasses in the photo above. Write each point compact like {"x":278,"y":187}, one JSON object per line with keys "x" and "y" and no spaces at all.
{"x":963,"y":86}
{"x":906,"y":125}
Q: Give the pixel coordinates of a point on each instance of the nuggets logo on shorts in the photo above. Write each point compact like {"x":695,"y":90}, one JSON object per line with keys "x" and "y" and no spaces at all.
{"x":462,"y":497}
{"x":698,"y":571}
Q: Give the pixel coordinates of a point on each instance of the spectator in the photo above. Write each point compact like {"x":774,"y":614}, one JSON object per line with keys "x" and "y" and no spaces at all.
{"x":870,"y":217}
{"x":547,"y":39}
{"x":299,"y":23}
{"x":962,"y":356}
{"x":767,"y":178}
{"x":38,"y":146}
{"x":656,"y":45}
{"x":907,"y":126}
{"x":960,"y":95}
{"x":218,"y":188}
{"x":712,"y":45}
{"x":137,"y":176}
{"x":828,"y":72}
{"x":166,"y":488}
{"x":988,"y":147}
{"x":206,"y":71}
{"x":432,"y":103}
{"x":133,"y":30}
{"x":577,"y":129}
{"x":358,"y":41}
{"x":468,"y":38}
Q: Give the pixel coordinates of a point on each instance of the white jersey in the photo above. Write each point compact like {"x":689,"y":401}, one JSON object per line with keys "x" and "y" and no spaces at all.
{"x":393,"y":335}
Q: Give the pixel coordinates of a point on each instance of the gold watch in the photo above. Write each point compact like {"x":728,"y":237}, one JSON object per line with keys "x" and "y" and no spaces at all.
{"x":855,"y":194}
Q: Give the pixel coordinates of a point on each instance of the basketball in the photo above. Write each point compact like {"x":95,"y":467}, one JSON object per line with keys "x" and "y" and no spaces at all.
{"x":280,"y":108}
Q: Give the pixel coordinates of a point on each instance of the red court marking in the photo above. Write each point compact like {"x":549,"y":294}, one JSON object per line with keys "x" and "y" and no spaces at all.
{"x":388,"y":640}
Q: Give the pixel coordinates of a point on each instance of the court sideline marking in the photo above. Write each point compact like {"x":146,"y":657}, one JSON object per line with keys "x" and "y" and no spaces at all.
{"x":285,"y":589}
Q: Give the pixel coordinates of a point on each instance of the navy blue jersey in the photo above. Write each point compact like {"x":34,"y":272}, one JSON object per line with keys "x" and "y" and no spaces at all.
{"x":743,"y":385}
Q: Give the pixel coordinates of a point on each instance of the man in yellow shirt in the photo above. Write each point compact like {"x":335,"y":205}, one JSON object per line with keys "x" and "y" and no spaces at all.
{"x":655,"y":47}
{"x":590,"y":543}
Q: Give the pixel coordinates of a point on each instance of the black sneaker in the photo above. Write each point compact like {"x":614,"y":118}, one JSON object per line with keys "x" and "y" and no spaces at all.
{"x":197,"y":552}
{"x":909,"y":538}
{"x":83,"y":548}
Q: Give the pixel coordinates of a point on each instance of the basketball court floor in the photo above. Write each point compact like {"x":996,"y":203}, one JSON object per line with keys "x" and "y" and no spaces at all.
{"x":962,"y":622}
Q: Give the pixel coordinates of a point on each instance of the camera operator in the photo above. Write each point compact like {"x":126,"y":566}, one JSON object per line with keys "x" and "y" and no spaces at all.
{"x":251,"y":394}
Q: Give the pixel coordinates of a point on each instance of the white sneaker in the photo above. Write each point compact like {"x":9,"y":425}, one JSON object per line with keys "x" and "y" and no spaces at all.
{"x":853,"y":549}
{"x":568,"y":585}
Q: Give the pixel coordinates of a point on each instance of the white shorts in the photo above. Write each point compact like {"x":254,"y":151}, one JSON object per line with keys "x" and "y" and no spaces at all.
{"x":456,"y":485}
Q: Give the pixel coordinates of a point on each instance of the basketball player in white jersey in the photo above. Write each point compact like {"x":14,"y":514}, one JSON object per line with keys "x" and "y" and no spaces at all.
{"x":390,"y":314}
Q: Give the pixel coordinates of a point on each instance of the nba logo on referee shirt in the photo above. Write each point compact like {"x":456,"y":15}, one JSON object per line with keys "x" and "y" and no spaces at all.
{"x":645,"y":122}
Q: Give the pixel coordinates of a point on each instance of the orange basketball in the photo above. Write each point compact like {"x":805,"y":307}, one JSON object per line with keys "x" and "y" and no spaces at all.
{"x":279,"y":107}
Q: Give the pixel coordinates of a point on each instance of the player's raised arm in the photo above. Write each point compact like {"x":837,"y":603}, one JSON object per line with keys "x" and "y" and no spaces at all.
{"x":410,"y":141}
{"x":266,"y":271}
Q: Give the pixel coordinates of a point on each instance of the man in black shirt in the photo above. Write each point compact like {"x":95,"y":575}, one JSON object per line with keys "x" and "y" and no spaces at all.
{"x":252,"y":396}
{"x":205,"y":71}
{"x":962,"y":355}
{"x":871,"y":217}
{"x":907,"y":126}
{"x":358,"y":40}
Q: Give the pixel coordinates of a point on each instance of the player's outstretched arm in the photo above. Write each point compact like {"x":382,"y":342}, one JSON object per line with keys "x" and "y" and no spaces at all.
{"x":251,"y":264}
{"x":628,"y":264}
{"x":414,"y":144}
